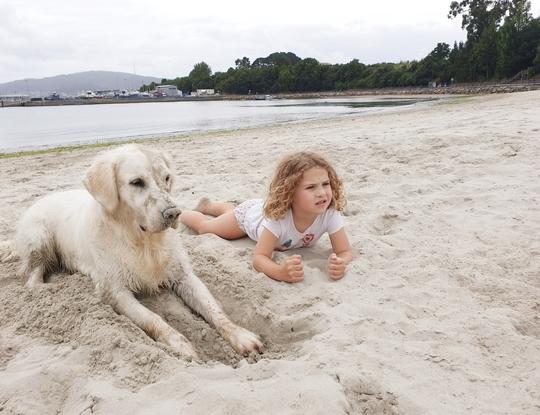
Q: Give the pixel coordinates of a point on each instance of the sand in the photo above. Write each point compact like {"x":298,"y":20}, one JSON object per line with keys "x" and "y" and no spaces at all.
{"x":438,"y":314}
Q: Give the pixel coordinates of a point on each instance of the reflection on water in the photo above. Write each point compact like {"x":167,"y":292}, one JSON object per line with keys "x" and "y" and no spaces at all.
{"x":24,"y":128}
{"x":353,"y":104}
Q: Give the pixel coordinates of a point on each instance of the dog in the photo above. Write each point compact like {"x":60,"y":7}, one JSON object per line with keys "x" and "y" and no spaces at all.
{"x":120,"y":232}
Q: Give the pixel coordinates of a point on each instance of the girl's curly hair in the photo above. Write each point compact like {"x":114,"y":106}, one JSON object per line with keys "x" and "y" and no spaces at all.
{"x":287,"y":177}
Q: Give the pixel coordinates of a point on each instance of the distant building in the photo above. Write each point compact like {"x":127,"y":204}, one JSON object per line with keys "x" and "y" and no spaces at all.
{"x":14,"y":98}
{"x":167,"y":90}
{"x":202,"y":92}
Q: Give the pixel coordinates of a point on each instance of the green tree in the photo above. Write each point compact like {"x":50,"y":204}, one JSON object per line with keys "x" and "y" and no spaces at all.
{"x":184,"y":84}
{"x":347,"y":75}
{"x":459,"y":66}
{"x":484,"y":54}
{"x":478,"y":15}
{"x":511,"y":52}
{"x":285,"y":81}
{"x":481,"y":19}
{"x":536,"y":61}
{"x":277,"y":59}
{"x":201,"y":76}
{"x":307,"y":75}
{"x":242,"y":63}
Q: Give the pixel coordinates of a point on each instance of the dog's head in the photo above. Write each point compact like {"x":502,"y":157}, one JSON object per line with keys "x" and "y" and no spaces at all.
{"x":133,"y":184}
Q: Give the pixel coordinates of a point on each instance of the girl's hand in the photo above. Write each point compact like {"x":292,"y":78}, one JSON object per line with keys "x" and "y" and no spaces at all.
{"x":336,"y":267}
{"x":293,"y":269}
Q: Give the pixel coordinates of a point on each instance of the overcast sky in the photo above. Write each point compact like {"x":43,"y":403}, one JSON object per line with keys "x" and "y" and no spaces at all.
{"x":165,"y":38}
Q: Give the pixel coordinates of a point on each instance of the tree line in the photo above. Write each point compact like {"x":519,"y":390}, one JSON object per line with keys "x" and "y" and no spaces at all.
{"x":503,"y":42}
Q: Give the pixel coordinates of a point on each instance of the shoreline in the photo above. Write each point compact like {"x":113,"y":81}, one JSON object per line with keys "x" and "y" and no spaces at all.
{"x":466,"y":89}
{"x":442,"y":216}
{"x":147,"y":138}
{"x":156,"y":138}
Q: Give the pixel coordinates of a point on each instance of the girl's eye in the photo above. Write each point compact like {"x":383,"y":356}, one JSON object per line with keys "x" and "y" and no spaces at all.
{"x":309,"y":187}
{"x":137,"y":183}
{"x":326,"y":184}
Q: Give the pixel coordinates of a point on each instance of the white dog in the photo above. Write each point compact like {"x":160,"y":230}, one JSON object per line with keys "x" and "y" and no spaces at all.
{"x":118,"y":232}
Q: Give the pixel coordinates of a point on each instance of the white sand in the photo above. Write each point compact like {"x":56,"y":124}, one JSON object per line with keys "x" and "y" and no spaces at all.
{"x":439,"y":313}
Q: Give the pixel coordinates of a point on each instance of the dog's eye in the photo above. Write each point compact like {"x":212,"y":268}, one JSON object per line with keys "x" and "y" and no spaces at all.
{"x":168,"y":178}
{"x":137,"y":182}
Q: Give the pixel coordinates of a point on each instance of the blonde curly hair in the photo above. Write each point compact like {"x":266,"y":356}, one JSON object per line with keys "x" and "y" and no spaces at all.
{"x":287,"y":177}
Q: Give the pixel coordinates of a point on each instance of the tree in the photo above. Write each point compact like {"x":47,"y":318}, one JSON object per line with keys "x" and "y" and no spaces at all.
{"x":484,"y":54}
{"x":307,"y":75}
{"x":184,"y":84}
{"x":277,"y":59}
{"x":536,"y":61}
{"x":200,"y":76}
{"x":242,"y":63}
{"x":347,"y":74}
{"x":285,"y":81}
{"x":478,"y":15}
{"x":481,"y":19}
{"x":517,"y":39}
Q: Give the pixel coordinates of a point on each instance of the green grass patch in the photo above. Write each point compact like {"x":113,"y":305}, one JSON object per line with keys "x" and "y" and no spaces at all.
{"x":147,"y":140}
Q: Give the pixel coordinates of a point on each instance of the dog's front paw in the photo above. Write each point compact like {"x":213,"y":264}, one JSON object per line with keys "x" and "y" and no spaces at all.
{"x":181,"y":345}
{"x":244,"y":341}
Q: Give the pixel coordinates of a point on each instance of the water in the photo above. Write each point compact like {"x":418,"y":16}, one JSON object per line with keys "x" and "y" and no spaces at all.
{"x":26,"y":128}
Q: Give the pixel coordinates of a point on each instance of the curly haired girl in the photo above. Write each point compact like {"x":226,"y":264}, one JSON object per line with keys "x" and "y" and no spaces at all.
{"x":304,"y":202}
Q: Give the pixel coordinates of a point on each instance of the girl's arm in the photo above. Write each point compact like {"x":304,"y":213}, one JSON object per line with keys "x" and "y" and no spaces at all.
{"x":290,"y":271}
{"x":341,"y":256}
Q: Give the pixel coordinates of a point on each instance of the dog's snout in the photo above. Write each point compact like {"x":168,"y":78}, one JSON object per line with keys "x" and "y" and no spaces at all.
{"x":171,"y":214}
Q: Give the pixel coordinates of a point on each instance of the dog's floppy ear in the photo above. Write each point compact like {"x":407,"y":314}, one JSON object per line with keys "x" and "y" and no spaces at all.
{"x":100,"y":181}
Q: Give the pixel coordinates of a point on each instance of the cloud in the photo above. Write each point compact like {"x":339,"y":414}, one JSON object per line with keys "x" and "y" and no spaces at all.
{"x":166,"y":38}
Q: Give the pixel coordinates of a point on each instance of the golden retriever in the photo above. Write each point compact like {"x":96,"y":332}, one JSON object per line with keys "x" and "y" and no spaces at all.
{"x":118,"y":231}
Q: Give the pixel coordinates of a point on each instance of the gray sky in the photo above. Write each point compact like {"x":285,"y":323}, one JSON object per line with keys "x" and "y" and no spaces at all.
{"x":165,"y":38}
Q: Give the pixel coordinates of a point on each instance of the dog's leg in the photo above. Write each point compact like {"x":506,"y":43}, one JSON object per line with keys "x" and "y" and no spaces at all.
{"x":125,"y":303}
{"x":35,"y":245}
{"x":195,"y":294}
{"x":36,"y":276}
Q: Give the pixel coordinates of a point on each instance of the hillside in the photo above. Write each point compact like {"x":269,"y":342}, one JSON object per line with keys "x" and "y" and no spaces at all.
{"x":74,"y":83}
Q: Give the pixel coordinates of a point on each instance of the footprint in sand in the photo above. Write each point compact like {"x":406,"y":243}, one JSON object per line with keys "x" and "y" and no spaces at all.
{"x":387,"y":223}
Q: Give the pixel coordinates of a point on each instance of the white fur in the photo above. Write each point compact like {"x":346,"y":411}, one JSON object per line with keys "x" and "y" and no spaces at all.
{"x":119,"y":233}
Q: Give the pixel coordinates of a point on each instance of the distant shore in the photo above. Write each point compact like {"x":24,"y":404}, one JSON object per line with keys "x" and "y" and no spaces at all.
{"x":461,"y":89}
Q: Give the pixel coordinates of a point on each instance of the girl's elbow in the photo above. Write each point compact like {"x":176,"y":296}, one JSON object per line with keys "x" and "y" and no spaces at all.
{"x":255,"y":261}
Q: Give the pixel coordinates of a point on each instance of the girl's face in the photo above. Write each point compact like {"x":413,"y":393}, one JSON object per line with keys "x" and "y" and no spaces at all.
{"x":313,"y":194}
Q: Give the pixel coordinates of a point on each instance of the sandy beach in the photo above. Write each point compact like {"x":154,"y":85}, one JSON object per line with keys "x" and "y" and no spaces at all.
{"x":438,"y":314}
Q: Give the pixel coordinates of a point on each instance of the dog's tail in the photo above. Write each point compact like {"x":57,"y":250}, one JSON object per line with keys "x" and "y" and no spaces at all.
{"x":7,"y":252}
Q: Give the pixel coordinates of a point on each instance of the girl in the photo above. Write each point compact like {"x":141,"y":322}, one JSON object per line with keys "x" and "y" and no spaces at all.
{"x":304,"y":201}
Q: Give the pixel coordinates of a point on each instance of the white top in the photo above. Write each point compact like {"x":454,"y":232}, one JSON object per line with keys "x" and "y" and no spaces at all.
{"x":252,"y":221}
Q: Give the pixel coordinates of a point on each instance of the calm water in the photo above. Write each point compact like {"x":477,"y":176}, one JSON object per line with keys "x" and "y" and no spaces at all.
{"x":38,"y":127}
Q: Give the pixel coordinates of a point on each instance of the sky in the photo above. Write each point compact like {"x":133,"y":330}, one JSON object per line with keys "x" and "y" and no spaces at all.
{"x":166,"y":38}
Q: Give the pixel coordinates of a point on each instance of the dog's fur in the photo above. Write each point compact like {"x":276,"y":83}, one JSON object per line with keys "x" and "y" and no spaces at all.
{"x":119,"y":233}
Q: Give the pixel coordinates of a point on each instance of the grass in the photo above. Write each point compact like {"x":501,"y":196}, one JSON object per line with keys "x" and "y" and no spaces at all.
{"x":105,"y":144}
{"x":63,"y":149}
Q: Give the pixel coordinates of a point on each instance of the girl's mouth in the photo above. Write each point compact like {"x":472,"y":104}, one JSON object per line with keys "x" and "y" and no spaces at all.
{"x":321,"y":203}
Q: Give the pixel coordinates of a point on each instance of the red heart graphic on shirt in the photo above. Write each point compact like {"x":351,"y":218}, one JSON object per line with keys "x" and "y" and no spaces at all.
{"x":308,"y":237}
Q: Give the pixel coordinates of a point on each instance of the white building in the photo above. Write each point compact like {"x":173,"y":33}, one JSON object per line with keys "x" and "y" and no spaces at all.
{"x":167,"y":90}
{"x":202,"y":92}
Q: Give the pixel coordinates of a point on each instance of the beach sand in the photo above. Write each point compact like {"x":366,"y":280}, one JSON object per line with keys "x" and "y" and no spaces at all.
{"x":438,"y":314}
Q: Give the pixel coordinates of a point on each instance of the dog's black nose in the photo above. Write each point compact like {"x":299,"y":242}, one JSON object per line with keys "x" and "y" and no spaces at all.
{"x":171,"y":214}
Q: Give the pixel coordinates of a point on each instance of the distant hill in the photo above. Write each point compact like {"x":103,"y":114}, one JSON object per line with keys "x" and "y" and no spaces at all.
{"x":74,"y":83}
